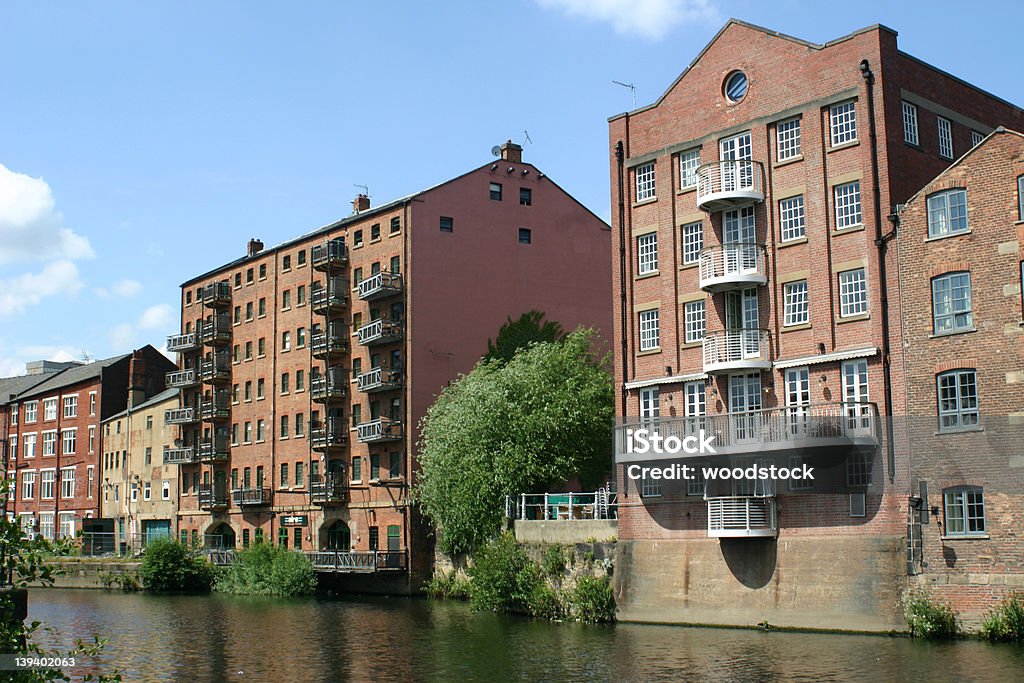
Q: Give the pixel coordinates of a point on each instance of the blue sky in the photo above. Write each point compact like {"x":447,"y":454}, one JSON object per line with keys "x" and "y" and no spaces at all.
{"x":142,"y":143}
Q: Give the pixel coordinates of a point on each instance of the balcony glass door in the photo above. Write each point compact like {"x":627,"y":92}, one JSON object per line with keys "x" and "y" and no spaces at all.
{"x":736,"y":175}
{"x":855,"y":396}
{"x":798,"y":399}
{"x":741,"y":322}
{"x":739,"y":230}
{"x":744,"y":407}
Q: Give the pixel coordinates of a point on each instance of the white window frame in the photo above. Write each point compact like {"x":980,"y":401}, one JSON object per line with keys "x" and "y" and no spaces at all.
{"x":46,"y":525}
{"x":92,"y":438}
{"x":29,"y":441}
{"x":49,"y":438}
{"x":792,"y":222}
{"x":955,"y":291}
{"x":848,"y":207}
{"x":66,"y":524}
{"x":31,"y":411}
{"x":650,"y":403}
{"x":90,"y":477}
{"x":693,"y":241}
{"x":69,"y":441}
{"x":645,"y":182}
{"x":842,"y":119}
{"x":853,"y":293}
{"x":92,"y":403}
{"x":165,"y":490}
{"x":694,"y":321}
{"x":787,"y":140}
{"x":12,"y":446}
{"x":689,"y":162}
{"x":49,"y":409}
{"x":650,"y":488}
{"x":147,"y":491}
{"x":47,"y":484}
{"x":958,"y":410}
{"x":70,"y":406}
{"x":67,"y":483}
{"x":911,"y":132}
{"x":649,"y":330}
{"x":797,"y":307}
{"x":28,"y":485}
{"x":947,"y":213}
{"x":647,"y":253}
{"x":945,"y":137}
{"x":976,"y":138}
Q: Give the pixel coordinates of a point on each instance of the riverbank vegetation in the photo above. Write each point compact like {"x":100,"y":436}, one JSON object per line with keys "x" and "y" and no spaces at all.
{"x":266,"y":569}
{"x":1006,"y":622}
{"x":928,"y":618}
{"x":172,"y":567}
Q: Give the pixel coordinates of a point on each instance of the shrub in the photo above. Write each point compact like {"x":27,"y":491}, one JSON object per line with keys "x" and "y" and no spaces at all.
{"x":592,"y":600}
{"x":503,"y":578}
{"x":553,"y":563}
{"x":265,"y":569}
{"x":928,"y":618}
{"x":448,"y":586}
{"x":170,"y":567}
{"x":1006,"y":622}
{"x":545,"y":602}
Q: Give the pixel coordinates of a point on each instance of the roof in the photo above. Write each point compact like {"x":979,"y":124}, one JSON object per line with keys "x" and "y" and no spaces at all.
{"x":70,"y":376}
{"x":164,"y":395}
{"x":15,"y":385}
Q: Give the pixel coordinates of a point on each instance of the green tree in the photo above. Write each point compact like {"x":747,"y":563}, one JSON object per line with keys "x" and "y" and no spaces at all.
{"x":535,"y":422}
{"x":530,"y":328}
{"x":170,"y":567}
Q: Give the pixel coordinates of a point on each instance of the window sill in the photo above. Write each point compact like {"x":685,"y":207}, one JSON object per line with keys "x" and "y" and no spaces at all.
{"x":966,"y":537}
{"x":691,"y":345}
{"x":649,"y":352}
{"x":686,"y":190}
{"x":375,"y":240}
{"x":357,"y":246}
{"x":844,"y":145}
{"x":787,"y":162}
{"x":644,"y":202}
{"x":965,"y":430}
{"x":853,"y":318}
{"x":644,"y":276}
{"x":285,"y":309}
{"x":688,"y":266}
{"x":794,"y":328}
{"x":914,"y":145}
{"x":946,"y":237}
{"x":850,"y":228}
{"x":792,"y":243}
{"x":953,"y":333}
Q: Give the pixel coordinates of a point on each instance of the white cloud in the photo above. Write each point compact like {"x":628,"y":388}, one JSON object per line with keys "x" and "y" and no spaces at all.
{"x":122,"y":288}
{"x":20,"y":292}
{"x":14,"y":364}
{"x":122,"y":337}
{"x":156,"y":318}
{"x":31,"y":229}
{"x":650,"y":19}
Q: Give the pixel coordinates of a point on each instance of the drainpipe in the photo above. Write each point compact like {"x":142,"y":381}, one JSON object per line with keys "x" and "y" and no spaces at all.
{"x":880,"y":242}
{"x":620,"y":160}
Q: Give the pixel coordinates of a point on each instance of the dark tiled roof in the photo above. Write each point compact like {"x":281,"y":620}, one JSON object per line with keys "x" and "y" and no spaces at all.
{"x":70,"y":376}
{"x":158,"y":398}
{"x":16,"y":385}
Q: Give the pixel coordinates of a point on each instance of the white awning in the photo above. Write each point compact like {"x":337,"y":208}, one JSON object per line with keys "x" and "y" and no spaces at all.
{"x":826,"y":357}
{"x":672,"y":379}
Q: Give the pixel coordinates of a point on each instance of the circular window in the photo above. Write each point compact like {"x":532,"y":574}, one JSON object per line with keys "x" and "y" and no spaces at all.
{"x":735,"y":86}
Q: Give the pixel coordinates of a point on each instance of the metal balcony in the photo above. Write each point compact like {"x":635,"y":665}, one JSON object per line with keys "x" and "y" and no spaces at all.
{"x":211,"y":449}
{"x":380,"y":430}
{"x":328,"y":346}
{"x":357,"y":562}
{"x":732,"y":266}
{"x":328,"y":436}
{"x":180,"y":416}
{"x":330,"y":256}
{"x":736,"y":349}
{"x":182,"y":378}
{"x":381,"y":331}
{"x":330,"y":299}
{"x":212,"y":497}
{"x":328,"y":490}
{"x":742,"y":517}
{"x":380,"y":379}
{"x":215,"y":369}
{"x":380,"y":285}
{"x":215,"y":331}
{"x":250,"y":496}
{"x":214,"y":410}
{"x":184,"y":455}
{"x":217,"y":295}
{"x":182,"y":342}
{"x":724,"y":185}
{"x":329,"y":387}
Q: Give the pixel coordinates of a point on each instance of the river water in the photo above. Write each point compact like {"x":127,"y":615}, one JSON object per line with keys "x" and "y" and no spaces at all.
{"x":199,"y":639}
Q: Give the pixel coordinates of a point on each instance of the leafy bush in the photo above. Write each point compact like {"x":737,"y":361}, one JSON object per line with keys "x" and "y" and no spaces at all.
{"x":502,"y":578}
{"x":553,"y":563}
{"x":927,"y":618}
{"x":1006,"y":622}
{"x":448,"y":586}
{"x":265,"y":569}
{"x":170,"y":567}
{"x":592,"y":600}
{"x":127,"y":581}
{"x":545,"y":602}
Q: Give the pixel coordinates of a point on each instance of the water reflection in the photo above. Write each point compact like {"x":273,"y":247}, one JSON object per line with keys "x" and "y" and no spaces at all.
{"x":219,"y":638}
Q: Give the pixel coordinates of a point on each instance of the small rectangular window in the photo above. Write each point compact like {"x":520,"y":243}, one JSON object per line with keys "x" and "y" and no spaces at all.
{"x":357,"y":238}
{"x":375,"y":231}
{"x":947,"y":213}
{"x":787,"y":137}
{"x":910,"y":135}
{"x":795,"y":303}
{"x":847,"y":204}
{"x":853,"y":293}
{"x":791,"y":218}
{"x":688,"y":163}
{"x":645,"y":182}
{"x":496,"y":191}
{"x":693,"y":242}
{"x":396,"y":224}
{"x":951,"y":303}
{"x":976,"y":138}
{"x":301,"y":257}
{"x":286,"y":262}
{"x":965,"y":511}
{"x":525,"y":196}
{"x":447,"y":224}
{"x":693,"y":316}
{"x":843,"y":123}
{"x":958,"y":400}
{"x":647,"y":253}
{"x":249,"y":276}
{"x":525,"y":236}
{"x":263,"y":271}
{"x":649,"y":330}
{"x":945,"y":138}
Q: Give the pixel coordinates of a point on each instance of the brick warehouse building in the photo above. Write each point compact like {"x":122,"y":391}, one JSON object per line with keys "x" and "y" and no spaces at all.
{"x":305,"y":368}
{"x":55,"y":441}
{"x":752,"y":300}
{"x":961,"y":308}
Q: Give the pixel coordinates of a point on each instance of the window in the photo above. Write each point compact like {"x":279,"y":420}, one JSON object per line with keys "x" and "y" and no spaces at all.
{"x":260,"y":388}
{"x":249,"y":276}
{"x":284,"y":427}
{"x":68,"y":445}
{"x":234,"y":434}
{"x":165,"y":490}
{"x":645,"y":182}
{"x":31,"y":411}
{"x":247,"y":433}
{"x":262,"y":306}
{"x":858,"y":470}
{"x":238,"y":283}
{"x":70,"y":406}
{"x":300,"y":425}
{"x":357,"y":238}
{"x":796,"y":305}
{"x":965,"y":511}
{"x":30,"y":445}
{"x":951,"y":303}
{"x":300,"y":380}
{"x":28,"y":485}
{"x":286,"y":299}
{"x":650,"y":488}
{"x":945,"y":138}
{"x":149,"y":423}
{"x":301,"y":257}
{"x":947,"y":213}
{"x":357,"y":469}
{"x":796,"y":462}
{"x":286,"y":262}
{"x":688,"y":163}
{"x":284,"y":475}
{"x":92,"y":395}
{"x":525,"y":196}
{"x":46,"y":525}
{"x":396,"y":224}
{"x":496,"y":191}
{"x":695,"y":486}
{"x":375,"y":231}
{"x":735,"y":86}
{"x":147,"y":491}
{"x":1020,"y":215}
{"x":50,"y":409}
{"x":248,"y":311}
{"x":261,"y":347}
{"x":46,"y":484}
{"x":843,"y":123}
{"x":649,"y":333}
{"x":647,"y":253}
{"x":263,"y":271}
{"x":374,"y":467}
{"x":248,"y":390}
{"x":976,"y":138}
{"x":853,"y":293}
{"x":92,"y":439}
{"x":238,"y":315}
{"x":447,"y":224}
{"x":650,"y":404}
{"x":284,"y":382}
{"x":693,"y":316}
{"x":693,"y":242}
{"x":49,"y":443}
{"x":525,"y":236}
{"x":787,"y":140}
{"x":958,"y":400}
{"x":847,"y":201}
{"x":910,"y":135}
{"x":248,"y":350}
{"x":90,"y":475}
{"x":149,"y":456}
{"x":791,"y":218}
{"x":12,"y":446}
{"x":286,"y":341}
{"x":260,"y":431}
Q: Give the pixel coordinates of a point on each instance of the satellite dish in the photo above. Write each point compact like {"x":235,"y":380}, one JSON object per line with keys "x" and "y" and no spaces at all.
{"x":496,"y":150}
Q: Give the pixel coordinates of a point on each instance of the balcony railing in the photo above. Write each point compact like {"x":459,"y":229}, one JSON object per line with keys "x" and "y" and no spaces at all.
{"x":381,"y":331}
{"x":216,"y":330}
{"x":184,"y":455}
{"x":182,"y":378}
{"x":250,"y":496}
{"x":381,"y":429}
{"x":803,"y":428}
{"x":333,"y":298}
{"x":215,"y":369}
{"x":217,"y":294}
{"x":181,"y":342}
{"x":326,"y":345}
{"x":380,"y":379}
{"x":330,"y":256}
{"x":214,"y":409}
{"x":213,"y":448}
{"x":731,"y":266}
{"x":723,"y":185}
{"x":600,"y":504}
{"x":742,"y":517}
{"x":329,"y":435}
{"x":736,"y":349}
{"x":180,"y":416}
{"x":330,"y":386}
{"x":345,"y":561}
{"x":328,"y":490}
{"x":212,"y":497}
{"x":380,"y":285}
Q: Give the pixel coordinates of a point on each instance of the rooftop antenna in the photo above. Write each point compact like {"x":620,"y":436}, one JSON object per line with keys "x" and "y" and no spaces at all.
{"x":632,"y":89}
{"x":86,"y":358}
{"x":366,"y":190}
{"x":528,"y":140}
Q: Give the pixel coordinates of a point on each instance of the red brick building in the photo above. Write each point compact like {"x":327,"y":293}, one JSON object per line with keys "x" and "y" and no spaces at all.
{"x":305,"y":368}
{"x":753,"y":300}
{"x":54,"y":439}
{"x":959,"y":245}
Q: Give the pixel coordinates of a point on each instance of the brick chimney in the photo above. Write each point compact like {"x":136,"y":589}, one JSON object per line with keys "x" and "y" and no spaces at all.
{"x":136,"y":379}
{"x":255,"y":247}
{"x":360,"y":203}
{"x":510,"y":151}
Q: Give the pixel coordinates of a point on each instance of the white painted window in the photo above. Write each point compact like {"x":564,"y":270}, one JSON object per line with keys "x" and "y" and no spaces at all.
{"x":976,"y":138}
{"x":791,"y":218}
{"x":647,"y":253}
{"x":843,"y":122}
{"x":92,"y":403}
{"x":847,"y":203}
{"x":853,"y":293}
{"x":90,"y":475}
{"x":67,"y":482}
{"x":951,"y":303}
{"x":50,"y":409}
{"x":695,"y":399}
{"x":910,"y":130}
{"x":68,"y":445}
{"x":787,"y":138}
{"x":14,"y":416}
{"x":31,"y":411}
{"x":650,"y":404}
{"x":46,"y":528}
{"x":945,"y":138}
{"x":650,"y":488}
{"x":147,"y":491}
{"x":47,"y":484}
{"x":645,"y":182}
{"x":50,"y":443}
{"x":958,"y":400}
{"x":28,"y":485}
{"x":693,"y":317}
{"x":796,"y":307}
{"x":947,"y":213}
{"x":693,"y":242}
{"x":67,"y":525}
{"x":28,"y":524}
{"x":30,"y":445}
{"x":12,"y":446}
{"x":688,"y":163}
{"x":165,"y":491}
{"x":650,"y":337}
{"x":71,"y":406}
{"x":92,"y":438}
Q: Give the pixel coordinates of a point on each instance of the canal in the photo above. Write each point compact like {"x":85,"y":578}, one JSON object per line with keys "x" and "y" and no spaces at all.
{"x":215,"y":638}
